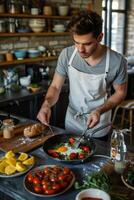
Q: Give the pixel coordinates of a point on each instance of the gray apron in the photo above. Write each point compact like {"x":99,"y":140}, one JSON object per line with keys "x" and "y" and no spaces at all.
{"x":87,"y":92}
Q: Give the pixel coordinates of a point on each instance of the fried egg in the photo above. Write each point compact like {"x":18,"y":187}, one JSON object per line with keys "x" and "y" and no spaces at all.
{"x":67,"y":150}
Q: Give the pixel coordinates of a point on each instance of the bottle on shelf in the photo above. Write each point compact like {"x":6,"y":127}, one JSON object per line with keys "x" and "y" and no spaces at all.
{"x":118,"y":151}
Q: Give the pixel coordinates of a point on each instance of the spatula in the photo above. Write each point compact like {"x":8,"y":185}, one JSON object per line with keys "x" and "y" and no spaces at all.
{"x":78,"y":142}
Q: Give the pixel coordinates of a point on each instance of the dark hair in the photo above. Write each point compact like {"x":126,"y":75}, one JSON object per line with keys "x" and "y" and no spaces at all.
{"x":86,"y":22}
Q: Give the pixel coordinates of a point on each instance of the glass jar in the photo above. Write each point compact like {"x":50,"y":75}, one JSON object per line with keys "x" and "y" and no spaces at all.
{"x":13,"y":6}
{"x":11,"y":25}
{"x":8,"y":128}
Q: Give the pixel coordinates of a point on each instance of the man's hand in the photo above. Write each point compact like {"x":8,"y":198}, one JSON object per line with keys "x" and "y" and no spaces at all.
{"x":93,"y":119}
{"x":44,"y":114}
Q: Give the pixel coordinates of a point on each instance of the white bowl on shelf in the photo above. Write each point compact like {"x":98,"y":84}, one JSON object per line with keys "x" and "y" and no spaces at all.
{"x":25,"y":81}
{"x":94,"y":193}
{"x":37,"y":29}
{"x":58,"y":29}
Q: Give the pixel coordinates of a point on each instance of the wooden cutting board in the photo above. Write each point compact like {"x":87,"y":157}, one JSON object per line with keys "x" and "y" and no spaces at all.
{"x":20,"y":143}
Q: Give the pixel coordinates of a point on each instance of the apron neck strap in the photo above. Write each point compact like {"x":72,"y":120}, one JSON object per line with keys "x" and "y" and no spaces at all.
{"x":72,"y":57}
{"x":107,"y":61}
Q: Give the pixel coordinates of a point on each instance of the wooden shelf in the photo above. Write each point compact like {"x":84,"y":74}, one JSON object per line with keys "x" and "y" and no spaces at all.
{"x":34,"y":34}
{"x":35,"y":16}
{"x":28,"y":60}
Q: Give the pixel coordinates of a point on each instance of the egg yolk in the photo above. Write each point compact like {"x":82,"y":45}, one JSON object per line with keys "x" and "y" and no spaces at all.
{"x":62,"y":149}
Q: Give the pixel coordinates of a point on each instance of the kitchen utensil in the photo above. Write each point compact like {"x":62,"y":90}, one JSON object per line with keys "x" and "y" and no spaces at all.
{"x":49,"y":126}
{"x":77,"y":144}
{"x":57,"y":139}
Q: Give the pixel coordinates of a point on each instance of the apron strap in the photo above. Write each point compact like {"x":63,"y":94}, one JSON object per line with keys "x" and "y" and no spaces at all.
{"x":72,"y":57}
{"x":107,"y":62}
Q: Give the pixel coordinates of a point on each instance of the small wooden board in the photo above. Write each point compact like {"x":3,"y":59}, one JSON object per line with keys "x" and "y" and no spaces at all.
{"x":20,"y":143}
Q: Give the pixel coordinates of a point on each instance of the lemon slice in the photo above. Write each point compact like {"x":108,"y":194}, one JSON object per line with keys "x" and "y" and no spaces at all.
{"x":10,"y":170}
{"x":3,"y":164}
{"x":29,"y":161}
{"x":9,"y":154}
{"x":20,"y":167}
{"x":23,"y":156}
{"x":11,"y":161}
{"x":2,"y":158}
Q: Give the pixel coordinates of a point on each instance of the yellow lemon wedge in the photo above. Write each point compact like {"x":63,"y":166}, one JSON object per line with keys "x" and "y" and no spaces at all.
{"x":10,"y":170}
{"x":11,"y":161}
{"x":29,"y":161}
{"x":9,"y":154}
{"x":23,"y":156}
{"x":20,"y":167}
{"x":3,"y":164}
{"x":2,"y":158}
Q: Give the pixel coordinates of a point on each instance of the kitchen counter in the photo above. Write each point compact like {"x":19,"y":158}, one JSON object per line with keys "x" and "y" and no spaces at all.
{"x":14,"y":187}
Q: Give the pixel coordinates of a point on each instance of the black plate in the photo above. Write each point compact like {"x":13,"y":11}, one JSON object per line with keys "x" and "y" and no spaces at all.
{"x":3,"y":117}
{"x":62,"y":138}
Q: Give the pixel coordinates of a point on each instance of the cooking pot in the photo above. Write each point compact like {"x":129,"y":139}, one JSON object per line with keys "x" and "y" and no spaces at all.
{"x":63,"y":138}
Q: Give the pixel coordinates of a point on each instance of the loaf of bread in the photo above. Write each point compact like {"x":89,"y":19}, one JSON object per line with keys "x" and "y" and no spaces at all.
{"x":34,"y":130}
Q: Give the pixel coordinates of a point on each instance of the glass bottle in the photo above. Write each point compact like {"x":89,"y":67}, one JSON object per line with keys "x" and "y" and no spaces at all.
{"x":118,"y":151}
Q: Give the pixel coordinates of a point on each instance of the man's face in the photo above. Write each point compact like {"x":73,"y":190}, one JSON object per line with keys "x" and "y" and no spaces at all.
{"x":86,"y":44}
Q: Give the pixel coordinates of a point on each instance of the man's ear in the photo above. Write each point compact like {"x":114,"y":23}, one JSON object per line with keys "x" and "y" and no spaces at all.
{"x":99,"y":38}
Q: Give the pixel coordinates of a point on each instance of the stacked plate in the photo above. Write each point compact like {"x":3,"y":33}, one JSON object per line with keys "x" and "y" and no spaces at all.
{"x":59,"y":28}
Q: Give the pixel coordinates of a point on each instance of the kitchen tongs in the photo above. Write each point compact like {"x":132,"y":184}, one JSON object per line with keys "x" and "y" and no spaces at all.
{"x":78,"y":142}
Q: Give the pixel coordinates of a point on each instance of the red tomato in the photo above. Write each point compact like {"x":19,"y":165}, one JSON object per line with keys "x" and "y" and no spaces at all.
{"x":37,"y":188}
{"x":71,"y":140}
{"x":85,"y":148}
{"x":55,"y":155}
{"x":62,"y":177}
{"x":50,"y":191}
{"x":40,"y":174}
{"x":66,"y":170}
{"x":36,"y":181}
{"x":46,"y":186}
{"x":81,"y":155}
{"x":56,"y":187}
{"x":54,"y":178}
{"x":63,"y":184}
{"x":73,"y":156}
{"x":30,"y":178}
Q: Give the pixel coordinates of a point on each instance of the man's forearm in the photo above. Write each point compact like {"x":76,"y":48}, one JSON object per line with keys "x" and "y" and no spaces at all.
{"x":111,"y":102}
{"x":51,"y":97}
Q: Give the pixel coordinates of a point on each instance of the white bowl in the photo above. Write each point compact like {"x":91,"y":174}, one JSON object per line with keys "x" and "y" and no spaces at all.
{"x":59,"y":26}
{"x":58,"y":29}
{"x":92,"y":192}
{"x":25,"y":81}
{"x":37,"y":29}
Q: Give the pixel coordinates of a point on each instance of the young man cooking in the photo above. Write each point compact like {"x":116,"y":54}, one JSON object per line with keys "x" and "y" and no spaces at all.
{"x":92,"y":69}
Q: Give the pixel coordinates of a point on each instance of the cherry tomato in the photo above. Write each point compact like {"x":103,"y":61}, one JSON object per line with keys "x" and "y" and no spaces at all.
{"x":73,"y":156}
{"x":81,"y":155}
{"x":63,"y":184}
{"x":85,"y":148}
{"x":62,"y":177}
{"x":37,"y":188}
{"x":36,"y":181}
{"x":71,"y":140}
{"x":46,"y":186}
{"x":50,"y":191}
{"x":69,"y":178}
{"x":40,"y":174}
{"x":56,"y":187}
{"x":53,"y":178}
{"x":55,"y":155}
{"x":66,"y":170}
{"x":30,"y":178}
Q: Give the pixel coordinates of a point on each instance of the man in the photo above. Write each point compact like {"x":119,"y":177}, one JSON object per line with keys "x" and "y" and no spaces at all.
{"x":92,"y":69}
